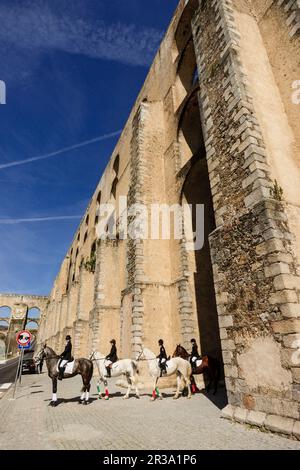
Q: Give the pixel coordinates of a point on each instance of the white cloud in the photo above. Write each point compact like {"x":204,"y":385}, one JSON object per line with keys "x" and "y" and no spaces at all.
{"x":38,"y":29}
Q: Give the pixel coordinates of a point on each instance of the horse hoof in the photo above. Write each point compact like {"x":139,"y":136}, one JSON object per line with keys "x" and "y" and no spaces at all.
{"x":106,"y":398}
{"x":152,"y":399}
{"x":53,"y":403}
{"x":99,"y":397}
{"x":137,"y":397}
{"x":125,"y":397}
{"x":175,"y":398}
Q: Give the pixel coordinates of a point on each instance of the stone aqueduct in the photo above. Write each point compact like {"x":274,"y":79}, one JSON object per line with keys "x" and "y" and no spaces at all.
{"x":15,"y":315}
{"x":214,"y":124}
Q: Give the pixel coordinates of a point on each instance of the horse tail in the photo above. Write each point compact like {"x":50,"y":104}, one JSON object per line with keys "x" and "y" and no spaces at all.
{"x":91,"y":371}
{"x":135,"y":367}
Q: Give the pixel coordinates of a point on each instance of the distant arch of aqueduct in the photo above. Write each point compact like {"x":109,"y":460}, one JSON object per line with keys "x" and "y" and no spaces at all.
{"x":214,"y":124}
{"x":19,"y":312}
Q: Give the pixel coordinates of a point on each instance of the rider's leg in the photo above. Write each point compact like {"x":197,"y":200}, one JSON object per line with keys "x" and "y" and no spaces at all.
{"x":61,"y":368}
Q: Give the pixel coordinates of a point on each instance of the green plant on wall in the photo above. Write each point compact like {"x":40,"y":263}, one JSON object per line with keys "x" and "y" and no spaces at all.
{"x":90,"y":264}
{"x":277,"y":191}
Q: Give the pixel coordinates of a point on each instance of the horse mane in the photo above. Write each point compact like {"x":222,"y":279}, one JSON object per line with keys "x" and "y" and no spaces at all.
{"x":51,"y":351}
{"x":149,"y":352}
{"x":182,"y":348}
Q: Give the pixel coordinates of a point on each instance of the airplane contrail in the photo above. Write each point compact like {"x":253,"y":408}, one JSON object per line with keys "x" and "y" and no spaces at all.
{"x":38,"y":219}
{"x":58,"y":152}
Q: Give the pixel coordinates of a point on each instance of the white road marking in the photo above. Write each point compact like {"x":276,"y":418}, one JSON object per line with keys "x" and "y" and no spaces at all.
{"x":5,"y":386}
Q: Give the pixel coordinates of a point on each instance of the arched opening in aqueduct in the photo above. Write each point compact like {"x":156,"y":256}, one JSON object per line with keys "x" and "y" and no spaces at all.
{"x":196,"y":186}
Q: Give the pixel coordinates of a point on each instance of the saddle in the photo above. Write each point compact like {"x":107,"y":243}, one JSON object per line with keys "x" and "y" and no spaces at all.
{"x":68,"y":368}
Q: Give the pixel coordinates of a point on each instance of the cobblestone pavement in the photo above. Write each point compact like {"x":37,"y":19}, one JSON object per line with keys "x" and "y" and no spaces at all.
{"x":29,"y":423}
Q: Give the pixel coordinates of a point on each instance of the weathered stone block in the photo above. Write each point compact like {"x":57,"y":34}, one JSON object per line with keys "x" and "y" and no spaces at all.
{"x":290,"y":310}
{"x":256,"y":418}
{"x":296,"y":430}
{"x":240,"y":415}
{"x":227,"y":357}
{"x":256,"y":196}
{"x":285,"y":281}
{"x":277,"y":269}
{"x":283,"y":296}
{"x":228,"y":344}
{"x":279,"y":424}
{"x":225,"y":321}
{"x":286,"y":326}
{"x":231,"y":371}
{"x":296,"y":373}
{"x":228,"y":412}
{"x":223,"y":333}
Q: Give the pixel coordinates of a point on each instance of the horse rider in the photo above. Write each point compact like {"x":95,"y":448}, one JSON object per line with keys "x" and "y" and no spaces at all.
{"x":111,"y":357}
{"x":66,"y":357}
{"x":194,"y":355}
{"x":162,"y":358}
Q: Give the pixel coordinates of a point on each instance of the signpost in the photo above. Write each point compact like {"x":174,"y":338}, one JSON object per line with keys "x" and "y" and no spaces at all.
{"x":23,"y":339}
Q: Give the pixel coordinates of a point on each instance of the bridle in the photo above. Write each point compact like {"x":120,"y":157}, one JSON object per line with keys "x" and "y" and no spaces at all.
{"x":92,"y":358}
{"x":138,"y":359}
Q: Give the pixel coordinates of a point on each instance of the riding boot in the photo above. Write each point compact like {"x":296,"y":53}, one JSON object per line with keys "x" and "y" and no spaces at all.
{"x":108,"y":369}
{"x":60,"y":374}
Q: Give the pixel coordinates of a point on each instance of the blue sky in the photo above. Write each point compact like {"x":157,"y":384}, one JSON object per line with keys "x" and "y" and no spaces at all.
{"x":72,"y":69}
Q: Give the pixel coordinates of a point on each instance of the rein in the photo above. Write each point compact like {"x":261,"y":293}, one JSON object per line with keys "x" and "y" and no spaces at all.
{"x":96,"y":359}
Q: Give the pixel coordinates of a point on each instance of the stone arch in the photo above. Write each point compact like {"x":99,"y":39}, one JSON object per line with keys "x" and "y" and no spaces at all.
{"x":2,"y":345}
{"x":196,"y":190}
{"x":34,"y":313}
{"x":5,"y":311}
{"x":189,"y":132}
{"x":116,"y":165}
{"x":31,"y":324}
{"x":114,"y":185}
{"x":187,"y":66}
{"x":183,"y":31}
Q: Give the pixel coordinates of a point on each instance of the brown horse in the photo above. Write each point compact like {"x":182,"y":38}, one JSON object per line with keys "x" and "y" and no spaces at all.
{"x":82,"y":366}
{"x":209,"y":366}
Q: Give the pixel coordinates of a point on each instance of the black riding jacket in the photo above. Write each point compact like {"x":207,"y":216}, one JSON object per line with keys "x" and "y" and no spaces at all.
{"x":195,"y":352}
{"x":67,"y":354}
{"x":112,"y":356}
{"x":162,"y":353}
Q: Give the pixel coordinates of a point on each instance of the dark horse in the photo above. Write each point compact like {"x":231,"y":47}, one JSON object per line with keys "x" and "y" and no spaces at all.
{"x":209,"y":365}
{"x":84,"y":367}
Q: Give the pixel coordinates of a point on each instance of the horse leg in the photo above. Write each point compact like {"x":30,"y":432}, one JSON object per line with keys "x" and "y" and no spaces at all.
{"x":134,"y":380}
{"x":99,"y":389}
{"x":188,"y":385}
{"x":128,"y":388}
{"x":87,"y":393}
{"x":54,"y":390}
{"x":106,"y":390}
{"x":193,"y":384}
{"x":154,"y":390}
{"x":176,"y":396}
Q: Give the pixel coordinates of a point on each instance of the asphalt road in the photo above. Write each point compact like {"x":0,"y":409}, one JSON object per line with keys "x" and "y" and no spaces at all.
{"x":8,"y":371}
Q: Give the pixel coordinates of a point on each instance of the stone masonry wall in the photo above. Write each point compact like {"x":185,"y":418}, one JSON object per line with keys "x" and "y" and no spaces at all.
{"x":254,"y":267}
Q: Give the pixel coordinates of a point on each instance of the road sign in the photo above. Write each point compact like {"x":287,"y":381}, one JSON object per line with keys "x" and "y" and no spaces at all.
{"x":23,"y":338}
{"x":24,"y":347}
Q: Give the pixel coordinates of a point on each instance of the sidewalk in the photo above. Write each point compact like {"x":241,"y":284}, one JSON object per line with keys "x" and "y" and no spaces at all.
{"x":29,"y":423}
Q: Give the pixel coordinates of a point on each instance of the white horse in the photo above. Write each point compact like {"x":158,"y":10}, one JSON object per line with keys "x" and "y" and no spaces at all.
{"x":176,"y":365}
{"x":127,"y":367}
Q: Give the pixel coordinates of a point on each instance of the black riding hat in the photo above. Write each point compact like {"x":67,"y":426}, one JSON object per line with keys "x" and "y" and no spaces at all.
{"x":68,"y":337}
{"x":160,"y":341}
{"x":113,"y":341}
{"x":193,"y":340}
